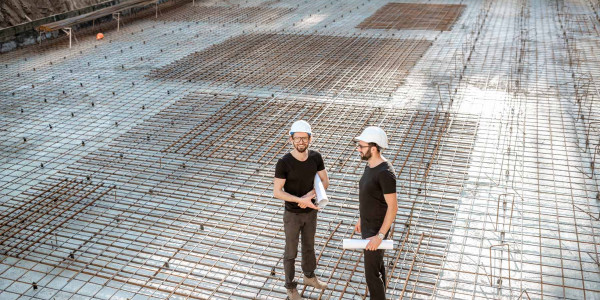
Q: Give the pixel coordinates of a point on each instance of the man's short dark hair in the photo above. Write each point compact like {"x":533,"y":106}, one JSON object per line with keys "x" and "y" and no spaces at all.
{"x":376,"y":146}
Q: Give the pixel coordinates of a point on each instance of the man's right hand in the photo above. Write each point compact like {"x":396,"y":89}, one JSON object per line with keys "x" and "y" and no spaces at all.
{"x":357,"y":226}
{"x":306,"y":200}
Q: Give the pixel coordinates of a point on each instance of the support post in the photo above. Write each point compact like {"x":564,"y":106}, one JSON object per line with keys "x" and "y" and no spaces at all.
{"x":118,"y":18}
{"x":68,"y":31}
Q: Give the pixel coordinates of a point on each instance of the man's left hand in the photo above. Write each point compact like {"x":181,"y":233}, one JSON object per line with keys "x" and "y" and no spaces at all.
{"x":374,"y":243}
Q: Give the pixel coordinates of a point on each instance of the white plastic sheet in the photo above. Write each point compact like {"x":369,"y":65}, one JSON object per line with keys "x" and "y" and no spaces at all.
{"x":362,"y":244}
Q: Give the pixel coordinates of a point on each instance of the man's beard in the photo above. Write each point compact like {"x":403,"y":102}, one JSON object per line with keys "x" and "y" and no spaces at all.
{"x":301,"y":150}
{"x":366,"y":156}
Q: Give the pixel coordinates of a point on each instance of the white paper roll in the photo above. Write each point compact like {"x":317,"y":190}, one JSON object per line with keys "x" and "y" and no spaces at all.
{"x":362,"y":244}
{"x":320,"y":191}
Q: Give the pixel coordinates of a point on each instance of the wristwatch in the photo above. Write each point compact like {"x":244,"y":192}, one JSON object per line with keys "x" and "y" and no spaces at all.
{"x":381,"y":236}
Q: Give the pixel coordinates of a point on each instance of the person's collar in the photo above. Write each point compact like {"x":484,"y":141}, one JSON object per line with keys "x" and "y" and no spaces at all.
{"x":375,"y":161}
{"x":300,"y":156}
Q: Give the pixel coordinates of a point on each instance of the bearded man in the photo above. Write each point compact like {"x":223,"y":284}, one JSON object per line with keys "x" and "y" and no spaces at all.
{"x":378,"y":205}
{"x":294,"y":183}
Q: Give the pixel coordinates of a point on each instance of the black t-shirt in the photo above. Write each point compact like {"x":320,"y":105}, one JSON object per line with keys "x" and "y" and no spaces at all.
{"x":374,"y":183}
{"x":299,"y":176}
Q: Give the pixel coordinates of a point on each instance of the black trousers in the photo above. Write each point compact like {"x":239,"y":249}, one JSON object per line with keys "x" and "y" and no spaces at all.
{"x":375,"y":273}
{"x":296,"y":225}
{"x":373,"y":262}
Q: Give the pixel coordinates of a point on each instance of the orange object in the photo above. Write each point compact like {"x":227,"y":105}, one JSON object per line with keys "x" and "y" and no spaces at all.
{"x":99,"y":36}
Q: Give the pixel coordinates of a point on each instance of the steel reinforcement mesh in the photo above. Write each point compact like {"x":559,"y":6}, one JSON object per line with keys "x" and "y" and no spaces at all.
{"x":302,"y":63}
{"x":226,"y":14}
{"x":187,"y":210}
{"x":524,"y":225}
{"x":414,"y":16}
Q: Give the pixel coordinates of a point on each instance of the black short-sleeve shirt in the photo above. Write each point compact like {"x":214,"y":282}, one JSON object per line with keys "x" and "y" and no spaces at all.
{"x":374,"y":183}
{"x":299,"y":176}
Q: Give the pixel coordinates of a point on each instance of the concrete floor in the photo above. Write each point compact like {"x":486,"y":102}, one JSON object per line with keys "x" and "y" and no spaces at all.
{"x":140,"y":166}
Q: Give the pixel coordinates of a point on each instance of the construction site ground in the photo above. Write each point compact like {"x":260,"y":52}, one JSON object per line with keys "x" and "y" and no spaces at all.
{"x":140,"y":166}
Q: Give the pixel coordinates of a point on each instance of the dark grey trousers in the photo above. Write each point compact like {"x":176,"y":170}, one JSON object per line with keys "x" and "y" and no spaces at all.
{"x":296,"y":225}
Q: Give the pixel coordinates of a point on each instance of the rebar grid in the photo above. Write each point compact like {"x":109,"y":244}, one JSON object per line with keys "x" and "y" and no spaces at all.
{"x":414,"y":16}
{"x":580,"y":32}
{"x":227,"y":14}
{"x":300,"y":63}
{"x":165,"y":204}
{"x":538,"y":224}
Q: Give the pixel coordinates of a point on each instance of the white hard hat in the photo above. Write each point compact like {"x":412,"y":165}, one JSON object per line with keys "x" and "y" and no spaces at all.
{"x":301,"y":126}
{"x":374,"y":134}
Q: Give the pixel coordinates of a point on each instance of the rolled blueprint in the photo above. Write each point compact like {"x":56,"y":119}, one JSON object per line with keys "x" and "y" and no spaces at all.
{"x":362,"y":244}
{"x":320,"y":190}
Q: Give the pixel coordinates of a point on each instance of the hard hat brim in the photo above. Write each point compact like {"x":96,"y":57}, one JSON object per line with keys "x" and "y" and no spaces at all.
{"x":309,"y":133}
{"x":361,"y":138}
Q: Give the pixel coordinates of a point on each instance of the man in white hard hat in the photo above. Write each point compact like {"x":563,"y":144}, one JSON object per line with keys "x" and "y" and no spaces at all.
{"x":294,"y":183}
{"x":378,"y":205}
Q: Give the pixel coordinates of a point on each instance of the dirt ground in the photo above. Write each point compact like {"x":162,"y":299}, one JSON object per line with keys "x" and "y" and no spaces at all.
{"x":14,"y":12}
